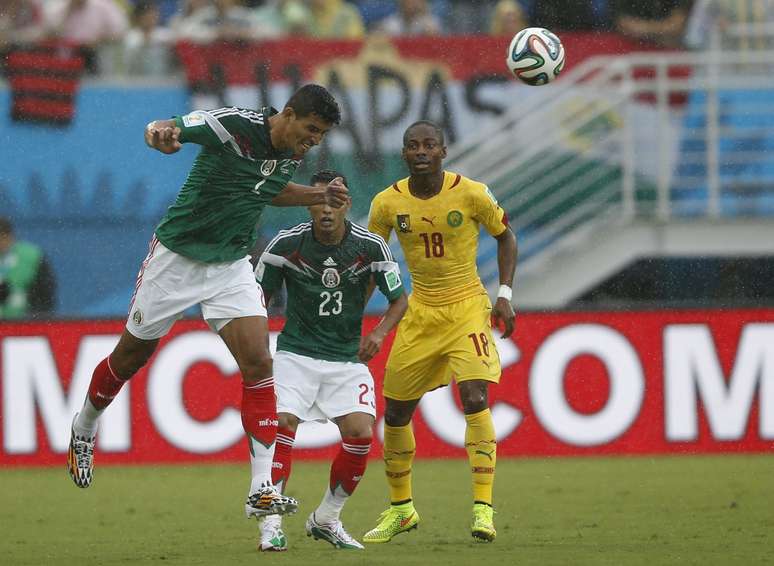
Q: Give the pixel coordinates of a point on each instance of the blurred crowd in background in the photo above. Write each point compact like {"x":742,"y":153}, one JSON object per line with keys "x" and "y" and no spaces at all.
{"x":140,"y":33}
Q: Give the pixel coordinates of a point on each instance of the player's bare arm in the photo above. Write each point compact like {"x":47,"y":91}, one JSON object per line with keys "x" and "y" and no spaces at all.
{"x":335,"y":194}
{"x":371,"y":343}
{"x":163,"y":135}
{"x":502,"y":312}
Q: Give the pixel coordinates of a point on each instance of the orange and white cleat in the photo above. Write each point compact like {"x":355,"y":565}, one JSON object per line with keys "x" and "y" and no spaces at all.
{"x":80,"y":458}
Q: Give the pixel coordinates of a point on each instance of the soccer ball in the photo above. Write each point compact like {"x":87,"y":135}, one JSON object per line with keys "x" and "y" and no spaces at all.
{"x":535,"y":56}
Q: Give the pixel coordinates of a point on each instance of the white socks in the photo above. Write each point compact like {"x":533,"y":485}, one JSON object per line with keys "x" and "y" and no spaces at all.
{"x":261,"y":459}
{"x":86,"y":422}
{"x":331,"y":505}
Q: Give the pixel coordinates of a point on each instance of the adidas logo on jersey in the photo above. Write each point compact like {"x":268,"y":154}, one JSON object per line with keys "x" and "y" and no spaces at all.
{"x":329,"y":262}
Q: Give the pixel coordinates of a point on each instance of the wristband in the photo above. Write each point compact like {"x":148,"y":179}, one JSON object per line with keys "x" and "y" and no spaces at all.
{"x":505,"y":292}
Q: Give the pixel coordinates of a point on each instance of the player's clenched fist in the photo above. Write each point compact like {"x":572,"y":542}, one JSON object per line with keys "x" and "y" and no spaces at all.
{"x":336,"y":193}
{"x":163,"y":135}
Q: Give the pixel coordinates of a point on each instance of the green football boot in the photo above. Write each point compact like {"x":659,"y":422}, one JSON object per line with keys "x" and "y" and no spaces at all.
{"x":397,"y":519}
{"x":482,"y":526}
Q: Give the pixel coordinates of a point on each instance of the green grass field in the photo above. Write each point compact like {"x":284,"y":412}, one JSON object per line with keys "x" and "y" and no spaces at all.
{"x":653,"y":511}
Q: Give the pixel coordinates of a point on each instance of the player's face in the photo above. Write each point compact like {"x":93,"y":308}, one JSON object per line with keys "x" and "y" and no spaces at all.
{"x":423,"y":152}
{"x":328,"y":220}
{"x":303,"y":133}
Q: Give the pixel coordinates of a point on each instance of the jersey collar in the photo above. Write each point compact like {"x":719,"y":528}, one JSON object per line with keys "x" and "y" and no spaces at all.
{"x":448,"y":179}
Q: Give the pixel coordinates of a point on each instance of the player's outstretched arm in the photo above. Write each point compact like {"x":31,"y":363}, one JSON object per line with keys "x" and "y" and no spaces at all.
{"x":335,"y":195}
{"x":371,"y":343}
{"x":163,"y":135}
{"x":502,"y":312}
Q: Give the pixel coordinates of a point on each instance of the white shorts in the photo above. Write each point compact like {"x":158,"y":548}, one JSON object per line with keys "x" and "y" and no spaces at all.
{"x":168,"y":284}
{"x":317,"y":390}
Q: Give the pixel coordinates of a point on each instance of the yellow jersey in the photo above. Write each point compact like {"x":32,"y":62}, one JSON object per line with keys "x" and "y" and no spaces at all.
{"x":439,"y":235}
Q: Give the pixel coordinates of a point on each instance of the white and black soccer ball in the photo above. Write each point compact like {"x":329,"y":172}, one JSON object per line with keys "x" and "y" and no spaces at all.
{"x":535,"y":56}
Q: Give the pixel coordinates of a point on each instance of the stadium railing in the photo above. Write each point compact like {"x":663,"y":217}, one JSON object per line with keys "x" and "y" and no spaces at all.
{"x":653,"y":137}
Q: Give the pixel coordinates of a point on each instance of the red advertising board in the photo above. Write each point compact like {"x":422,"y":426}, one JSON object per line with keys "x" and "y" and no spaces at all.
{"x":573,"y":384}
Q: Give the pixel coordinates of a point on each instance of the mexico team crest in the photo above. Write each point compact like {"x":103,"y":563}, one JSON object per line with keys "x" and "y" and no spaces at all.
{"x":268,"y":167}
{"x":330,"y":278}
{"x":404,"y":223}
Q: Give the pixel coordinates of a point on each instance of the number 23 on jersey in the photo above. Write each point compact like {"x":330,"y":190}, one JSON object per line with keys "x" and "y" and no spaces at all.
{"x":330,"y":303}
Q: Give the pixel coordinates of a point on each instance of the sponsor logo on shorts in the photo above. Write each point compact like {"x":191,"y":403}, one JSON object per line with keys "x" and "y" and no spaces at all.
{"x":454,"y":218}
{"x":137,"y":317}
{"x":331,"y":278}
{"x":268,"y":167}
{"x":404,"y":223}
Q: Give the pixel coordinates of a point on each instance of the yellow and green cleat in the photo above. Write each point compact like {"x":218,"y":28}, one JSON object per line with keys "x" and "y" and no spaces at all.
{"x":482,"y":526}
{"x":397,"y":519}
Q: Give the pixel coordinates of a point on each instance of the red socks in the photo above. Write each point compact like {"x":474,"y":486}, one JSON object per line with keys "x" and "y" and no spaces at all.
{"x":259,"y":411}
{"x":347,"y":468}
{"x":350,"y":463}
{"x":283,"y":458}
{"x":104,"y":385}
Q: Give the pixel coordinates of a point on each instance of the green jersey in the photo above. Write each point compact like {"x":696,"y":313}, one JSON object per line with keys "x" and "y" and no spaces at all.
{"x":326,"y":287}
{"x":236,"y":174}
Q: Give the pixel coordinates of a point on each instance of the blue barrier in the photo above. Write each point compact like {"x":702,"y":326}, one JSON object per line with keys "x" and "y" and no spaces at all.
{"x":90,"y":194}
{"x":747,"y":128}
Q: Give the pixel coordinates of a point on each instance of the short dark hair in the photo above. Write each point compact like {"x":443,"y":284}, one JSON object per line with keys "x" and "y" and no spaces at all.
{"x":315,"y":99}
{"x":436,"y":127}
{"x":326,"y":176}
{"x":6,"y":228}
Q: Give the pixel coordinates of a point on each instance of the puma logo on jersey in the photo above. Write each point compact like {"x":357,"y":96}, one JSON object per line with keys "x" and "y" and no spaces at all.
{"x":430,"y":221}
{"x":329,"y":262}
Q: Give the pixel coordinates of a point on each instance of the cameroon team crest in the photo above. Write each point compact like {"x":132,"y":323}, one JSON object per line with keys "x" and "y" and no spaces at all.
{"x":404,"y":223}
{"x":454,"y":218}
